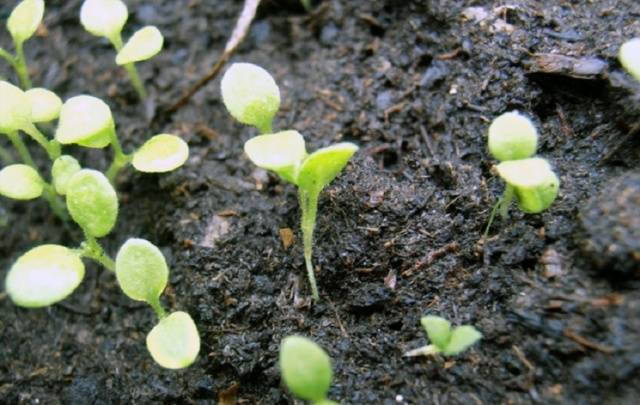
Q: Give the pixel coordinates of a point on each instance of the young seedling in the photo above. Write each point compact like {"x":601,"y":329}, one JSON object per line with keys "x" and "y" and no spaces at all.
{"x":22,"y":24}
{"x":106,"y":18}
{"x":252,"y":97}
{"x":444,"y":339}
{"x":630,"y":57}
{"x":513,"y":140}
{"x":306,"y":369}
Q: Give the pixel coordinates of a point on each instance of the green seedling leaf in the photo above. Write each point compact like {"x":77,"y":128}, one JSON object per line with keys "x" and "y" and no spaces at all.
{"x":144,"y":44}
{"x":512,"y":136}
{"x":462,"y":338}
{"x":141,"y":270}
{"x":536,"y":185}
{"x":104,"y":18}
{"x":44,"y":275}
{"x":281,"y":152}
{"x":323,"y":165}
{"x":162,"y":153}
{"x":45,"y":105}
{"x":92,"y":202}
{"x":24,"y":19}
{"x":20,"y":182}
{"x":630,"y":57}
{"x":251,"y":95}
{"x":438,"y":330}
{"x":174,"y":342}
{"x":62,"y":170}
{"x":15,"y":108}
{"x":86,"y":121}
{"x":305,"y":368}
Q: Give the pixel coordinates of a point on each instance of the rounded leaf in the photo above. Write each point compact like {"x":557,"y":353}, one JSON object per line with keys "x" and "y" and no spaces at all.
{"x":20,"y":182}
{"x":536,"y":185}
{"x":141,"y":270}
{"x":62,"y":170}
{"x":104,"y":18}
{"x":174,"y":342}
{"x":630,"y":57}
{"x":305,"y":368}
{"x":250,"y":94}
{"x":15,"y":108}
{"x":162,"y":153}
{"x":44,"y":275}
{"x":45,"y":105}
{"x":438,"y":330}
{"x":512,"y":136}
{"x":92,"y":202}
{"x":24,"y":19}
{"x":85,"y":120}
{"x":462,"y":338}
{"x":324,"y":165}
{"x":281,"y":152}
{"x":144,"y":44}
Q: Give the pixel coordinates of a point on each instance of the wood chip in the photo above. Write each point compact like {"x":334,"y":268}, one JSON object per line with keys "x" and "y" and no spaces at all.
{"x":287,"y":237}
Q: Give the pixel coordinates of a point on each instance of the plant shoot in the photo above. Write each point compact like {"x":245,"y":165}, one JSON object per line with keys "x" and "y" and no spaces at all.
{"x":444,"y":339}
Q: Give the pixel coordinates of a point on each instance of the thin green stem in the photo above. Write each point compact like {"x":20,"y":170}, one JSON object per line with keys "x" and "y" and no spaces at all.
{"x":116,"y":41}
{"x":52,"y":147}
{"x":120,"y":159}
{"x":309,"y":207}
{"x":265,"y":127}
{"x":157,"y":307}
{"x":21,"y":67}
{"x":502,"y":206}
{"x":91,"y":249}
{"x":8,"y":57}
{"x":17,"y":143}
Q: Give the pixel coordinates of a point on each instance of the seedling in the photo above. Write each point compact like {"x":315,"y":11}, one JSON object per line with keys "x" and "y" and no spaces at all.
{"x":106,"y":18}
{"x":306,"y":369}
{"x":252,"y":97}
{"x":22,"y":24}
{"x":630,"y":57}
{"x":530,"y":180}
{"x":444,"y":339}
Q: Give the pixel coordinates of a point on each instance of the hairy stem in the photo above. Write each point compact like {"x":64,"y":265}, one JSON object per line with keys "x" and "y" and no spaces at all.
{"x":21,"y":67}
{"x":91,"y":249}
{"x":116,"y":41}
{"x":309,"y":207}
{"x":120,"y":159}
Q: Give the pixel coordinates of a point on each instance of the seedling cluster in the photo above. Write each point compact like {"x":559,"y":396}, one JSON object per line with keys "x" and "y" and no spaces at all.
{"x":630,"y":57}
{"x":444,"y":339}
{"x":513,"y":141}
{"x":252,"y":97}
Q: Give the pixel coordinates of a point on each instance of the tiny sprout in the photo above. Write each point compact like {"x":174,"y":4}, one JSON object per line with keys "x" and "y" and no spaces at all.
{"x":533,"y":181}
{"x":20,"y":182}
{"x":306,"y":369}
{"x":45,"y":105}
{"x":174,"y":342}
{"x":143,"y":45}
{"x":512,"y":136}
{"x":62,"y":170}
{"x":251,"y":95}
{"x":444,"y":339}
{"x":44,"y":275}
{"x":92,"y":202}
{"x":86,"y":121}
{"x":630,"y":57}
{"x":162,"y":153}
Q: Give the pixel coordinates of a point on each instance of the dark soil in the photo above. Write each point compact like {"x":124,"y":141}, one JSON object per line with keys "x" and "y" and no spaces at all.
{"x":415,"y":84}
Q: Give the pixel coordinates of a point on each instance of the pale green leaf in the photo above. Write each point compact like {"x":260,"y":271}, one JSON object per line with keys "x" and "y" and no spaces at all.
{"x":305,"y":367}
{"x":144,"y":44}
{"x":104,"y":18}
{"x":24,"y":19}
{"x":62,"y":170}
{"x":250,"y":95}
{"x":174,"y":342}
{"x":141,"y":270}
{"x":630,"y":57}
{"x":438,"y":329}
{"x":462,"y":338}
{"x":87,"y":121}
{"x":20,"y":182}
{"x":15,"y":108}
{"x":92,"y":202}
{"x":512,"y":136}
{"x":162,"y":153}
{"x":281,"y":152}
{"x":323,"y":165}
{"x":44,"y":275}
{"x":536,"y":185}
{"x":45,"y":105}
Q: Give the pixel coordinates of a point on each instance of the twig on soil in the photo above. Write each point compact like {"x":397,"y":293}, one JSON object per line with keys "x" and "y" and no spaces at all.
{"x":588,"y":343}
{"x":237,"y":36}
{"x":340,"y":324}
{"x":451,"y":247}
{"x":615,"y":148}
{"x":522,"y":358}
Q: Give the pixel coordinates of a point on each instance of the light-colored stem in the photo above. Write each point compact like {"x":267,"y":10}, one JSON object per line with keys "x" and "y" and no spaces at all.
{"x":8,"y":57}
{"x":91,"y":249}
{"x":309,"y":207}
{"x":52,"y":147}
{"x":505,"y":201}
{"x":157,"y":308}
{"x":21,"y":67}
{"x":265,"y":128}
{"x":428,"y":350}
{"x":116,"y":41}
{"x":120,"y":159}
